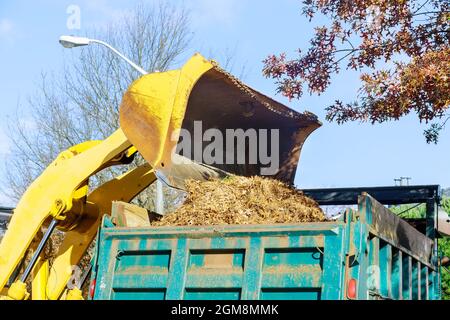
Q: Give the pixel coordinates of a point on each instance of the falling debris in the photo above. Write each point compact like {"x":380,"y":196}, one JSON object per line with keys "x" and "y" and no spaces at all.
{"x":242,"y":200}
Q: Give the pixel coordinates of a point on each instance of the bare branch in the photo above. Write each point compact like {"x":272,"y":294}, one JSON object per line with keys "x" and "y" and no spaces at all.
{"x":81,"y":101}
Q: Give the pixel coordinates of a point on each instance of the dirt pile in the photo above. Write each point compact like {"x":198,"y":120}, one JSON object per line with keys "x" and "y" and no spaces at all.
{"x":242,"y":200}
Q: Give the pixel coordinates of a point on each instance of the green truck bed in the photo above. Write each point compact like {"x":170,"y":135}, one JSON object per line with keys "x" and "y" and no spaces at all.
{"x":369,"y":253}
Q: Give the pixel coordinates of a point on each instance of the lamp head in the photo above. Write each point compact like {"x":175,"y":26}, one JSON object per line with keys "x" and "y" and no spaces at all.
{"x":71,"y":41}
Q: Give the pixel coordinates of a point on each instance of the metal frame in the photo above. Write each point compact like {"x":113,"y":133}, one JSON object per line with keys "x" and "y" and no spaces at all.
{"x":5,"y":214}
{"x":388,"y":195}
{"x":431,"y":195}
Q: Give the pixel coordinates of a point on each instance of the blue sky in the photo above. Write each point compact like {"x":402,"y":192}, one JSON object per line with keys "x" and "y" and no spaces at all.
{"x":348,"y":155}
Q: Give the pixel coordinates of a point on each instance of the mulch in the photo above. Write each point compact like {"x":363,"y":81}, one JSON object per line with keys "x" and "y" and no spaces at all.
{"x":242,"y":200}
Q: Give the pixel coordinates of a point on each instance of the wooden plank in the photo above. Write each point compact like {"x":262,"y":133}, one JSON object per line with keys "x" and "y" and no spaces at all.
{"x":129,"y":215}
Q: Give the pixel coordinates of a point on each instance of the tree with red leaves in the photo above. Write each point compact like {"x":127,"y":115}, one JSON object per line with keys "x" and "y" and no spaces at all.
{"x":411,"y":38}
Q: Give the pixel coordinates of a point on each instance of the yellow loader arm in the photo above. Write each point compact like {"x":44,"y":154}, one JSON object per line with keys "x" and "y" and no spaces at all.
{"x":58,"y":193}
{"x":76,"y":242}
{"x":50,"y":284}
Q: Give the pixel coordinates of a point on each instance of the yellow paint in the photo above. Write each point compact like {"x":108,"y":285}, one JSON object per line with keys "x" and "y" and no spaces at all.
{"x":18,"y":291}
{"x":40,"y":277}
{"x":74,"y":294}
{"x":153,"y":109}
{"x":76,"y":242}
{"x":52,"y":194}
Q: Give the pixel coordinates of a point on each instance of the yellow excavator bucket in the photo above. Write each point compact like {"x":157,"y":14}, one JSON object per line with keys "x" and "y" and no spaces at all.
{"x":202,"y":96}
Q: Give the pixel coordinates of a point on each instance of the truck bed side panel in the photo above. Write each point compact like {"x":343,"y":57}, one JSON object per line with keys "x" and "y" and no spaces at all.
{"x":233,"y":262}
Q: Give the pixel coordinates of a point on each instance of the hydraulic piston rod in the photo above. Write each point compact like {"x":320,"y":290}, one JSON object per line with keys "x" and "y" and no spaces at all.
{"x":38,"y":251}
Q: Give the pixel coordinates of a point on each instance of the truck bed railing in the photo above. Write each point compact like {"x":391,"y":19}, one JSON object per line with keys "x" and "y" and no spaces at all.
{"x":390,"y":195}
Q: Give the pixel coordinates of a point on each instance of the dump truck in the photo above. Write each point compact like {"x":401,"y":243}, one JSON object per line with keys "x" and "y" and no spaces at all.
{"x":326,"y":260}
{"x":366,"y":253}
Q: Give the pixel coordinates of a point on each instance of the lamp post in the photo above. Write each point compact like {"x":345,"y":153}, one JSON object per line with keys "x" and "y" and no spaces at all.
{"x":73,"y":42}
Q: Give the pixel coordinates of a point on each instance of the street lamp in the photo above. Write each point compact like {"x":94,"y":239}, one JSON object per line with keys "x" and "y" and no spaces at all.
{"x":72,"y":42}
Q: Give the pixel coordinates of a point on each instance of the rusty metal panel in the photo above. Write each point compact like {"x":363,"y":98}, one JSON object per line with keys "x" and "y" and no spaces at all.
{"x":226,"y":262}
{"x":394,"y":229}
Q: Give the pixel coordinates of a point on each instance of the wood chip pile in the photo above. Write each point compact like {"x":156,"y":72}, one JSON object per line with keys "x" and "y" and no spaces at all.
{"x":242,"y":200}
